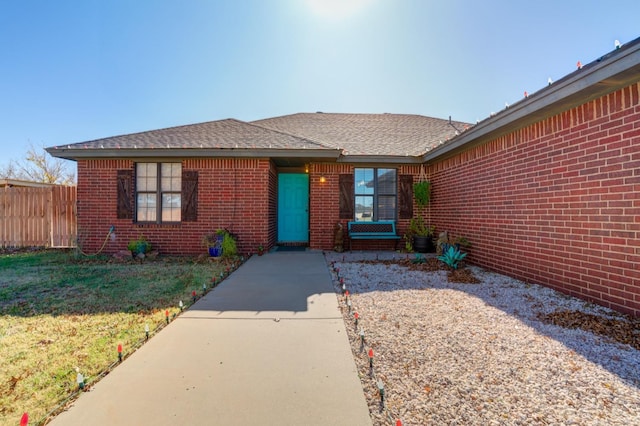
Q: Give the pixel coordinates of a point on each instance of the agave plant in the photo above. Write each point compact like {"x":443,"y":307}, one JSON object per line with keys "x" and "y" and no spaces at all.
{"x":452,"y":256}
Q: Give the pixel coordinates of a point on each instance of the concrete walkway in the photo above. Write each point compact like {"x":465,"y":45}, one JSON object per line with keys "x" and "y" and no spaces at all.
{"x":267,"y":347}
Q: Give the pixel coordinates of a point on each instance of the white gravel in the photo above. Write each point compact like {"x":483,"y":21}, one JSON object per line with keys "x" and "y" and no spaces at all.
{"x":475,"y":354}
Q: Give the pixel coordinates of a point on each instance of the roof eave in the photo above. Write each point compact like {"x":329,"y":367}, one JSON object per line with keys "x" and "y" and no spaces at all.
{"x":593,"y":81}
{"x":80,"y":154}
{"x":380,"y":159}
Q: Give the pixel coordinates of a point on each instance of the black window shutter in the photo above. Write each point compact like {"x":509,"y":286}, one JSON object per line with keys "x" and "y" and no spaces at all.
{"x":189,"y":196}
{"x":405,"y":197}
{"x":125,"y":191}
{"x":346,"y":196}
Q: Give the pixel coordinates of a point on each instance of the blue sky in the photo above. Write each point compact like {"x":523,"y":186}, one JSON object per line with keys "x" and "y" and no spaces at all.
{"x":72,"y":71}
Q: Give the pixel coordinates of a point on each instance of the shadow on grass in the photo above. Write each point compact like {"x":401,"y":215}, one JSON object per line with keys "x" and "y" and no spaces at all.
{"x":57,"y":283}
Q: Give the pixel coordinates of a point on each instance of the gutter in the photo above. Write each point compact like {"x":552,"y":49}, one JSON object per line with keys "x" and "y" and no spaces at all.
{"x":81,"y":153}
{"x":617,"y":69}
{"x":380,"y":159}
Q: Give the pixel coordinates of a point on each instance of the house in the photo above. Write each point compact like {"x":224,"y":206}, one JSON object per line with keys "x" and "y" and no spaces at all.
{"x":547,"y":190}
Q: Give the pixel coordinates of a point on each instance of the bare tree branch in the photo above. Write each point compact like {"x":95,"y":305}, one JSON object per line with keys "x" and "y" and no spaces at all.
{"x":39,"y":166}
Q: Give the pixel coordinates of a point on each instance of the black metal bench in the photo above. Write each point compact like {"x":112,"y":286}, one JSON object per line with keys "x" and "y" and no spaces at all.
{"x":380,"y":230}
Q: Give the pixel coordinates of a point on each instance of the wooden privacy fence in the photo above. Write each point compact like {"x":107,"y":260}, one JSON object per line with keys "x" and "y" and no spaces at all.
{"x":38,"y":217}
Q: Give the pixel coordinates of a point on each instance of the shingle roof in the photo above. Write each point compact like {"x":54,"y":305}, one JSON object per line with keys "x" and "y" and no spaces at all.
{"x":368,"y":134}
{"x":229,"y":133}
{"x":326,"y":134}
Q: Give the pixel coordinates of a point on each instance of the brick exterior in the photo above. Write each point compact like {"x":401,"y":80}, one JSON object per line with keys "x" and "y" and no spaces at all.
{"x":237,"y":194}
{"x":555,"y":203}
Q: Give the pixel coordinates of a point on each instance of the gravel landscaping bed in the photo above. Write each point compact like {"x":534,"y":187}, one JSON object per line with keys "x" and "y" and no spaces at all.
{"x":486,"y":353}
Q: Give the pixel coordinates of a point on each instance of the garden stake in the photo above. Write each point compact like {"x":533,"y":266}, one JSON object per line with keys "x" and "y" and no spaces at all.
{"x":119,"y":352}
{"x":146,"y":331}
{"x":79,"y":379}
{"x":356,"y":316}
{"x":349,"y":305}
{"x":361,"y":339}
{"x":204,"y":289}
{"x":166,"y":314}
{"x":381,"y":390}
{"x":371,"y":359}
{"x":346,"y":294}
{"x":344,"y":286}
{"x":24,"y":421}
{"x":193,"y":295}
{"x":181,"y":305}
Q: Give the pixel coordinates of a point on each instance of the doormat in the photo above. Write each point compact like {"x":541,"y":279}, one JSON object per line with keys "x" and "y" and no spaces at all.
{"x":291,"y":248}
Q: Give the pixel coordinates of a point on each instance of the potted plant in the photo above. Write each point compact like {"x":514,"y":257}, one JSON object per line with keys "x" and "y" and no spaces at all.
{"x":260,"y":250}
{"x":213,"y":242}
{"x":422,"y":193}
{"x":420,"y":236}
{"x":139,"y":246}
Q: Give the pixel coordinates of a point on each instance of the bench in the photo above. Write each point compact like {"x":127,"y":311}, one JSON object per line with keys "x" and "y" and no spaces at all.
{"x":380,"y":230}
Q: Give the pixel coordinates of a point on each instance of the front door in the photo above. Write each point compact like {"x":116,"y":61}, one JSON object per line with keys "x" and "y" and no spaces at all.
{"x":293,"y":208}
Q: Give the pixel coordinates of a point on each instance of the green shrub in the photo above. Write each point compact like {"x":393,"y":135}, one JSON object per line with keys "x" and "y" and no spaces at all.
{"x":141,"y":245}
{"x":229,"y":246}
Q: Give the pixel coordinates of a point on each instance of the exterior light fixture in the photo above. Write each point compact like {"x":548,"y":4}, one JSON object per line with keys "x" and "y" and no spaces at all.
{"x":146,"y":331}
{"x":323,"y":179}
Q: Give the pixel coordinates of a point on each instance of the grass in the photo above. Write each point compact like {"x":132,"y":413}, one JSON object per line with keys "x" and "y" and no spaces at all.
{"x":58,"y":313}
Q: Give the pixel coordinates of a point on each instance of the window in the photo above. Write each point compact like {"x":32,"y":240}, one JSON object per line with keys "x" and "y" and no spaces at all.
{"x":375,"y":194}
{"x":158,"y":192}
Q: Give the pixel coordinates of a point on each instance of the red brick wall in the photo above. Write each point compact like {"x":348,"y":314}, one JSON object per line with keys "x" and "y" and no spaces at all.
{"x":272,"y":233}
{"x":236,"y":194}
{"x":325,"y":212}
{"x":556,"y":203}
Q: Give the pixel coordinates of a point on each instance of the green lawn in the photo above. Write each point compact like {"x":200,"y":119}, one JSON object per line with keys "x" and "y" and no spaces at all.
{"x":58,"y":313}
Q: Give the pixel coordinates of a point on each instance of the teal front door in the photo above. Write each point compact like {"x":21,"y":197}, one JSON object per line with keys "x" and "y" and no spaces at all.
{"x":293,"y":208}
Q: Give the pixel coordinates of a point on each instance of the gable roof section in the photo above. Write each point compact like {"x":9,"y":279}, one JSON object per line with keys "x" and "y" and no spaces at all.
{"x":390,"y":135}
{"x":223,"y":137}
